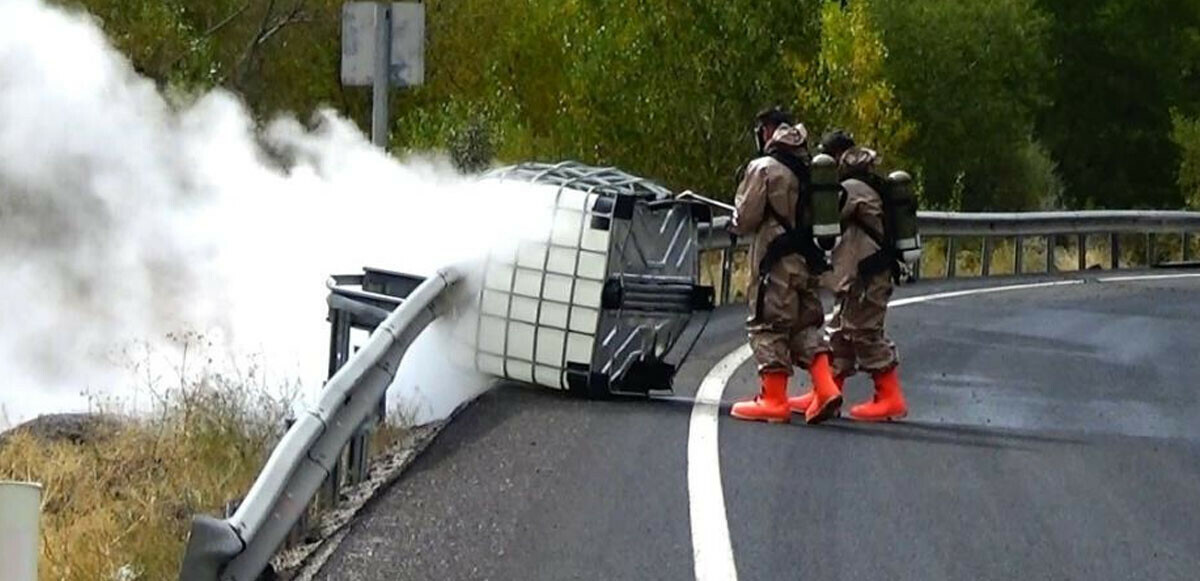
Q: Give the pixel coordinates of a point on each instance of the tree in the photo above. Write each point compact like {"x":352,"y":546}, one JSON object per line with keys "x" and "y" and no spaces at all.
{"x":279,"y":55}
{"x":1122,"y":66}
{"x":1186,"y":135}
{"x":971,"y":75}
{"x":845,"y":86}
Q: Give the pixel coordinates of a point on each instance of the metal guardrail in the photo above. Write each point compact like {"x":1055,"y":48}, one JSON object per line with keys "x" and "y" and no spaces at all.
{"x":954,"y":227}
{"x":240,"y":547}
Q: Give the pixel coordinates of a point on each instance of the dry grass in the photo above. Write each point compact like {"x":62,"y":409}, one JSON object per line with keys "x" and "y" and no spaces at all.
{"x":119,"y":506}
{"x":969,"y":257}
{"x":1098,"y":249}
{"x":710,"y":274}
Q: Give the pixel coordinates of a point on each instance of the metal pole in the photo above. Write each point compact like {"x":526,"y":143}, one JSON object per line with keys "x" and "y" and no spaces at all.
{"x":951,"y":257}
{"x":986,"y":268}
{"x":1051,"y":246}
{"x":1150,"y":242}
{"x":339,"y":340}
{"x":1114,"y":246}
{"x":1187,"y":247}
{"x":1082,"y":243}
{"x":20,"y":507}
{"x":1019,"y":257}
{"x":383,"y":63}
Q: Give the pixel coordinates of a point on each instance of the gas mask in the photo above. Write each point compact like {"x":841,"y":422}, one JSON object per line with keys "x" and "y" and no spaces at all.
{"x":759,"y":142}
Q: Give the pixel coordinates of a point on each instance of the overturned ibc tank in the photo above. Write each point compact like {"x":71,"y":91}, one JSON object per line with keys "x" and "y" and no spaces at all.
{"x":604,"y":302}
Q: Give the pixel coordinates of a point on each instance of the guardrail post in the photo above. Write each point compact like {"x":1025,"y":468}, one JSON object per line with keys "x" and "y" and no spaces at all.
{"x":20,"y":505}
{"x":1150,"y":242}
{"x":1114,"y":247}
{"x":357,"y":469}
{"x":1082,"y":252}
{"x":951,"y":256}
{"x":986,"y":266}
{"x":1019,"y":257}
{"x":1051,"y":253}
{"x":339,"y":340}
{"x":1187,"y":246}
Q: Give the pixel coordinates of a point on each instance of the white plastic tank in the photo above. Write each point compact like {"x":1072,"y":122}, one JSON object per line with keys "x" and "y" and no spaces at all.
{"x":598,"y":303}
{"x":20,"y":510}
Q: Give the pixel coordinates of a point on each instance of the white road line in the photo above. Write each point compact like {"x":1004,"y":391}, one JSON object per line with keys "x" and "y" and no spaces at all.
{"x":712,"y":552}
{"x":1147,"y":277}
{"x":980,"y":291}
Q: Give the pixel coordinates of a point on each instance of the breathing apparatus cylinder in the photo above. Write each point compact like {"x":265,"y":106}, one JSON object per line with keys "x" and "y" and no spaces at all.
{"x":904,"y":218}
{"x":825,"y":201}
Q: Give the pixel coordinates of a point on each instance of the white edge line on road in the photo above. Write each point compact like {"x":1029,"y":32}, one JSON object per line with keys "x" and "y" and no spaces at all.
{"x":712,"y":551}
{"x":1147,"y":277}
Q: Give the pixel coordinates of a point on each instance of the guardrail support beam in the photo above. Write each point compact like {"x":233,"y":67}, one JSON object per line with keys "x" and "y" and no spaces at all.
{"x":986,"y":266}
{"x":1150,"y":243}
{"x":951,"y":256}
{"x":1083,"y":242}
{"x":1051,"y":253}
{"x":1019,"y":256}
{"x":1114,"y":248}
{"x":1187,"y":246}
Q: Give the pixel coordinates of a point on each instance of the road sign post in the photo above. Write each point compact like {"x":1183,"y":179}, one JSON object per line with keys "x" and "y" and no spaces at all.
{"x":383,"y":45}
{"x":382,"y":75}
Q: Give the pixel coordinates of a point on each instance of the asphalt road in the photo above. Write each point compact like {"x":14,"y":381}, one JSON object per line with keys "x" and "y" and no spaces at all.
{"x":1054,"y":434}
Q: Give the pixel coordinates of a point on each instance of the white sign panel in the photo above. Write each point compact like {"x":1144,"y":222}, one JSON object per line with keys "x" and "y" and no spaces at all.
{"x":407,"y":67}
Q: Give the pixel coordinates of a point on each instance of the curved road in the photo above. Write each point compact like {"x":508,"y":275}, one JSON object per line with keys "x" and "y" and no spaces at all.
{"x":1054,"y":434}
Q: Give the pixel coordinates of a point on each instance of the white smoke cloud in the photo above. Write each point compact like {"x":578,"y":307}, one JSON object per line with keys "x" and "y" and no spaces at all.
{"x":124,"y":218}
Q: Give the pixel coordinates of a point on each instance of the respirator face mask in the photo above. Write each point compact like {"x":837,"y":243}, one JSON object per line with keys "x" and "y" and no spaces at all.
{"x":758,"y":138}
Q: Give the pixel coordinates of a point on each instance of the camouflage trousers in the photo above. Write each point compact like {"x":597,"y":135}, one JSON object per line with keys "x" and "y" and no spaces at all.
{"x":789,"y":329}
{"x":856,"y":333}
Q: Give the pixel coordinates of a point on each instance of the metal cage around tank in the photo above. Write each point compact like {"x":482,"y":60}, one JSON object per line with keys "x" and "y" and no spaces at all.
{"x":599,"y":302}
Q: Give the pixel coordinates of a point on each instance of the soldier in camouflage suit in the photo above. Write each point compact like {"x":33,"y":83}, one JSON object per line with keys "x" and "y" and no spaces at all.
{"x":856,"y":332}
{"x":786,"y":317}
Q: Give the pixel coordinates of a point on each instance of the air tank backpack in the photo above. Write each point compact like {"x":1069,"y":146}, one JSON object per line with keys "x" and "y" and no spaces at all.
{"x":900,"y":242}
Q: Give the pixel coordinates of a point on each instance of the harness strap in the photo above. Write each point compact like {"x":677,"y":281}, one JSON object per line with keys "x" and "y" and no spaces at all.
{"x":883,"y":260}
{"x":792,"y":241}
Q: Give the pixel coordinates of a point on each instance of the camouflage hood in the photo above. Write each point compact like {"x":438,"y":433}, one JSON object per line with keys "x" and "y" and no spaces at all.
{"x":789,"y":138}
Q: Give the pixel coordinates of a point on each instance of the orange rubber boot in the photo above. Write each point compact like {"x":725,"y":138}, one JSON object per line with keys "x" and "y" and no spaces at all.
{"x":887,"y":404}
{"x":827,"y":398}
{"x":769,"y":406}
{"x":800,"y":403}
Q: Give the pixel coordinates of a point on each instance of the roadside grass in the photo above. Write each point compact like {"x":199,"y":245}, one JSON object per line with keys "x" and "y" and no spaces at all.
{"x":118,"y":505}
{"x":1097,"y":249}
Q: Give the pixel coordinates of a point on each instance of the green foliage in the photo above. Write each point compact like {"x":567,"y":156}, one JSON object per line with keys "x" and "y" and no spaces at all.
{"x":662,"y":89}
{"x":280,"y":55}
{"x":1186,"y":135}
{"x":846,"y":86}
{"x":1122,"y":66}
{"x":970,"y":74}
{"x":471,"y":147}
{"x":993,"y":104}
